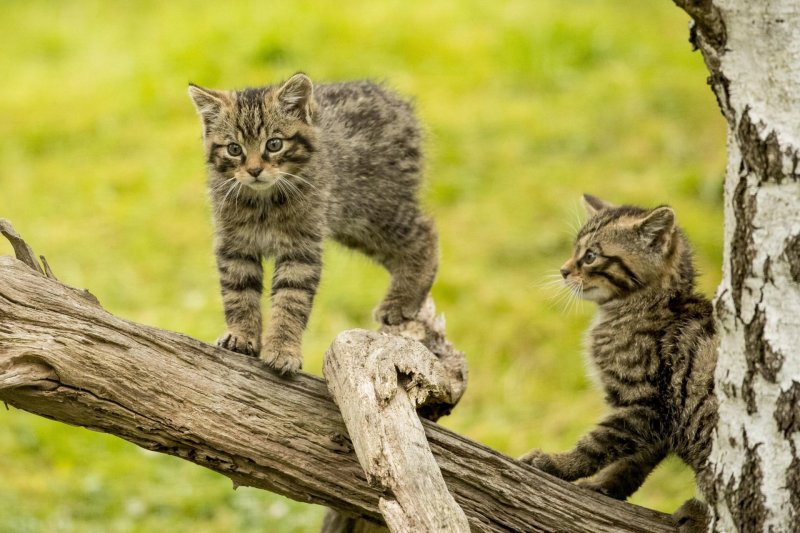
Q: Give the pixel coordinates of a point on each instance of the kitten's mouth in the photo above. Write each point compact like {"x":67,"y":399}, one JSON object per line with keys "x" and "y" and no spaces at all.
{"x":260,"y":185}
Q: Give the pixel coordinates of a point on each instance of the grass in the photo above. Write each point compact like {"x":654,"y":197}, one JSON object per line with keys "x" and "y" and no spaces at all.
{"x":527,"y":105}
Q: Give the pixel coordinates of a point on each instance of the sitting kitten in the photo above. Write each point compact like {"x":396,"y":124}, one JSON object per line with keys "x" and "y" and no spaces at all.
{"x":289,"y":165}
{"x":654,"y":346}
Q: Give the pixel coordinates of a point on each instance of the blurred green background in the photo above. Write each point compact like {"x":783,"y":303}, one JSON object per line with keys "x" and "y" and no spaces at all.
{"x":527,"y":105}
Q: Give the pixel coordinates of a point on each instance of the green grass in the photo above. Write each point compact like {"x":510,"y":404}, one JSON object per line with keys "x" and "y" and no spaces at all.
{"x":527,"y":105}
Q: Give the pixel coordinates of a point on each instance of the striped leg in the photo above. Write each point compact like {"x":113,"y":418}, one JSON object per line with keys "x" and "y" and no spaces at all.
{"x":623,"y":477}
{"x":412,"y":264}
{"x":241,"y":282}
{"x":294,"y":284}
{"x":622,"y":434}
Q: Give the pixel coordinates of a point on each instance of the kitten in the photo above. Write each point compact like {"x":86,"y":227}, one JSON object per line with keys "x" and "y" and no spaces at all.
{"x":654,"y":346}
{"x":292,"y":164}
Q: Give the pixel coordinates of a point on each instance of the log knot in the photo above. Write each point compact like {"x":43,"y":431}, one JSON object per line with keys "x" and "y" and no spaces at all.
{"x":393,"y":362}
{"x":28,"y":371}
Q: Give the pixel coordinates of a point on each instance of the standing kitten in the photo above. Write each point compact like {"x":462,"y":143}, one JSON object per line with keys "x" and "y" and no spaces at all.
{"x":292,"y":164}
{"x":654,"y":345}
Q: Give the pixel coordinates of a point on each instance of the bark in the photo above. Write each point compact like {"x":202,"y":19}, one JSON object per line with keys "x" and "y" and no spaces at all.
{"x":752,"y":51}
{"x":63,"y":357}
{"x":378,"y":381}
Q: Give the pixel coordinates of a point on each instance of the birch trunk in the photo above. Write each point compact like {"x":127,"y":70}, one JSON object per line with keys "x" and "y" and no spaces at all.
{"x":752,"y":50}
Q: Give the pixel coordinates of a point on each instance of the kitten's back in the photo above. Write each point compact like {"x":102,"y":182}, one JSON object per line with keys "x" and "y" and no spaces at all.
{"x":370,"y":131}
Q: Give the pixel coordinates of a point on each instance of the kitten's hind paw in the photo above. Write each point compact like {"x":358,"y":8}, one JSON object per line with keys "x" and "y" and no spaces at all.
{"x":392,"y":314}
{"x":284,"y":362}
{"x":238,"y":344}
{"x":692,"y":517}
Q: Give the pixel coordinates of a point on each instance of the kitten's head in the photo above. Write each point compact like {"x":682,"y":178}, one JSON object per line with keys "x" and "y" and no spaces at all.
{"x":259,"y":136}
{"x":622,"y":250}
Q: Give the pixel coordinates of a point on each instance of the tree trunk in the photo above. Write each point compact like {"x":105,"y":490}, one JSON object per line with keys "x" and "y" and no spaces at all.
{"x":63,"y":357}
{"x":752,"y":50}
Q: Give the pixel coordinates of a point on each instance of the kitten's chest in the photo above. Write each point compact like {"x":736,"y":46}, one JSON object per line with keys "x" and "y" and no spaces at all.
{"x":625,"y":350}
{"x":272,"y":231}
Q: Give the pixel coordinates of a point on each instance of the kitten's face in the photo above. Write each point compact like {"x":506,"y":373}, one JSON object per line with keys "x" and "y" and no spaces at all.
{"x":260,"y":137}
{"x":621,"y":250}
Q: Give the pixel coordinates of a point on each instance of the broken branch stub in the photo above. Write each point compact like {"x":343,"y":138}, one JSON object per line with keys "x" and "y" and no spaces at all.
{"x":428,"y":328}
{"x":378,"y":381}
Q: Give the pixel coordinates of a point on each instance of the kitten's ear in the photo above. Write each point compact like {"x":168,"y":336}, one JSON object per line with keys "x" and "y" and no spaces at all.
{"x":594,"y":205}
{"x":208,"y":102}
{"x":296,"y":97}
{"x":657,"y":225}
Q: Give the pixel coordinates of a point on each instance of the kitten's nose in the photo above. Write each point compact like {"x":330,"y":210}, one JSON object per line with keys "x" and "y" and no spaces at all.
{"x":254,"y":171}
{"x":564,"y":272}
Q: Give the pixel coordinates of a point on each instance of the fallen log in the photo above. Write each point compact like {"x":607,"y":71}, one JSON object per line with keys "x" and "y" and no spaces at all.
{"x":65,"y":358}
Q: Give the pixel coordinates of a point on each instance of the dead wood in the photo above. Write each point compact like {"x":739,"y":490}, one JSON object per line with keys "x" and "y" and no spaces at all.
{"x":63,"y":357}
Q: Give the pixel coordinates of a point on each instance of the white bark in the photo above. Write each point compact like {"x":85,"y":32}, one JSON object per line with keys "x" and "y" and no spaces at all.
{"x":752,"y":50}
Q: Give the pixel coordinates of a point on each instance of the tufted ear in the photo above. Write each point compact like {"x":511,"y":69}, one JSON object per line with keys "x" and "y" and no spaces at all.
{"x":296,"y":97}
{"x":594,"y":205}
{"x":657,"y":225}
{"x":209,"y":102}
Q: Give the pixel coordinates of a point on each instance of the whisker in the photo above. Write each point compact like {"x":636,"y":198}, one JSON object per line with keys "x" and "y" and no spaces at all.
{"x":217,"y":187}
{"x":238,"y":192}
{"x":225,"y":198}
{"x":301,"y":178}
{"x":550,"y":283}
{"x":293,"y":186}
{"x":288,"y":188}
{"x":561,"y":296}
{"x":576,"y":212}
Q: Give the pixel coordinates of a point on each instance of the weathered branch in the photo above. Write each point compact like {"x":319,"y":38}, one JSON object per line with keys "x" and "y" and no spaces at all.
{"x":378,"y":381}
{"x":65,"y":358}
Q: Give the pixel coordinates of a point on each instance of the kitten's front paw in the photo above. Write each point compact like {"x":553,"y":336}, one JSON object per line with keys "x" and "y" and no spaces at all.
{"x":692,"y":517}
{"x":238,"y":344}
{"x":392,"y":313}
{"x":599,"y":487}
{"x":282,"y":359}
{"x":542,"y":461}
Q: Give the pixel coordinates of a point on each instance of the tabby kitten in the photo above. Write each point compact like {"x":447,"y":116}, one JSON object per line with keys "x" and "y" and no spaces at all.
{"x":292,"y":164}
{"x":653,"y":344}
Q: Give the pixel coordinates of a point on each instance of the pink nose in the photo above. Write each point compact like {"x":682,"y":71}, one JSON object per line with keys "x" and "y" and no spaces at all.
{"x":564,"y":272}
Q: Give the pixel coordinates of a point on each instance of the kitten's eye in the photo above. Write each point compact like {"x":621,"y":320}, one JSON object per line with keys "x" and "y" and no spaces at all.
{"x":589,"y":257}
{"x":273,"y":145}
{"x":234,"y":149}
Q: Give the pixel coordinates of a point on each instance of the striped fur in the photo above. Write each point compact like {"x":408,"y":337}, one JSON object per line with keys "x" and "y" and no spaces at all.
{"x":653,"y":344}
{"x":292,"y":164}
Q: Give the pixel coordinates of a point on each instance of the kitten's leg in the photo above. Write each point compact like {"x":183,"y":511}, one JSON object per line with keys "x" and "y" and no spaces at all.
{"x":622,"y":434}
{"x":623,"y":477}
{"x":412,"y":259}
{"x":294,"y":284}
{"x":241,"y":282}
